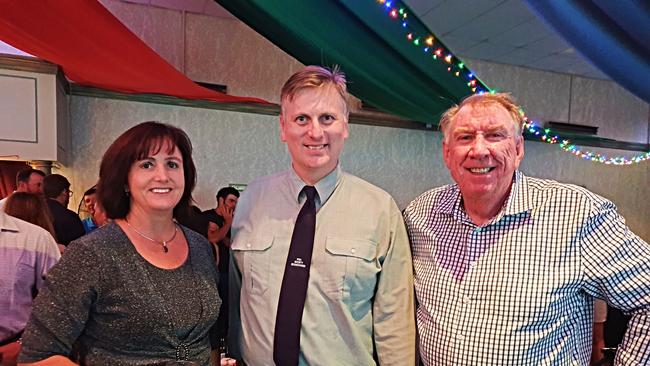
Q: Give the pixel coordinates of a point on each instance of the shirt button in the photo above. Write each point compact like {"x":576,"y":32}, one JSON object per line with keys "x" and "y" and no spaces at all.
{"x":460,"y":335}
{"x":472,"y":264}
{"x":248,"y":245}
{"x":353,"y":250}
{"x":467,"y":299}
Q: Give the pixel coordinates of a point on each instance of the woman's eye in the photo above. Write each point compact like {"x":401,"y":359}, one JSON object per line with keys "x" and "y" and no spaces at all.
{"x":172,"y":164}
{"x":146,"y":165}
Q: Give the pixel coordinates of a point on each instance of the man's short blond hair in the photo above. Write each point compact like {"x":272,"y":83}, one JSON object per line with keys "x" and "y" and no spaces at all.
{"x":505,"y":100}
{"x":316,"y":77}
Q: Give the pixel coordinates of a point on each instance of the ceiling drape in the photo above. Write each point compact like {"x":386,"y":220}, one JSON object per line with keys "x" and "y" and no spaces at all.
{"x":613,"y":35}
{"x":94,"y":49}
{"x":382,"y":67}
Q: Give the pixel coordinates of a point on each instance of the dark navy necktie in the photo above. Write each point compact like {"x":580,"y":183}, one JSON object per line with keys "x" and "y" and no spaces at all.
{"x":286,"y":341}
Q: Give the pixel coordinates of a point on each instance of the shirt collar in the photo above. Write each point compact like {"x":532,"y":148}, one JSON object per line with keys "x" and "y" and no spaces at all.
{"x":325,"y":187}
{"x":518,"y":200}
{"x":6,"y":223}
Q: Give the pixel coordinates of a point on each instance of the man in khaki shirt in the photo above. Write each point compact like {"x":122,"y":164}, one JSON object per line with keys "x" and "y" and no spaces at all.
{"x":359,"y":304}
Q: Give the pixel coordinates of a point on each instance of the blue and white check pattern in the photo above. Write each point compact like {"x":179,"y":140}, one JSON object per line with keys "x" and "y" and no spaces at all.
{"x":520,"y":290}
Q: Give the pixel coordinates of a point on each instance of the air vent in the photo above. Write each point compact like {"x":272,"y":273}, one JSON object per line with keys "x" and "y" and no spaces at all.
{"x":559,"y":127}
{"x":216,"y":87}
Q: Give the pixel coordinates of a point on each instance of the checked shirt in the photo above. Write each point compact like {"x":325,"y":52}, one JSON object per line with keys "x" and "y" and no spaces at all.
{"x":520,"y":289}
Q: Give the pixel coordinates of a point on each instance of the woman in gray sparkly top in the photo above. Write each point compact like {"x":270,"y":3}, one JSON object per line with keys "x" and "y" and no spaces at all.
{"x":140,"y":290}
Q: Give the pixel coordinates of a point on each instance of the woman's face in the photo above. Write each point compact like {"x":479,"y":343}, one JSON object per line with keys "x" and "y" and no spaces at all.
{"x":156,"y":183}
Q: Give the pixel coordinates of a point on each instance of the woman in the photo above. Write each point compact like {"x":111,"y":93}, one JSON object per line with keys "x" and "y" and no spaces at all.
{"x":30,"y":207}
{"x":140,"y":290}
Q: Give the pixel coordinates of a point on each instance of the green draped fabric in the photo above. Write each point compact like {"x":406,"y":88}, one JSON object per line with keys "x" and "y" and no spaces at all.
{"x":383,"y":69}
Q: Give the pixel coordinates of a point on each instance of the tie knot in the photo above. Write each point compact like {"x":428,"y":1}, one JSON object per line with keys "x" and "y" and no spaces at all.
{"x":310,"y":192}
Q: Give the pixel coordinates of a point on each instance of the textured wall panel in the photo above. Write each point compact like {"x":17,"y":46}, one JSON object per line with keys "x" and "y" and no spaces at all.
{"x":226,"y":51}
{"x":544,"y":95}
{"x":619,"y":114}
{"x":161,"y":29}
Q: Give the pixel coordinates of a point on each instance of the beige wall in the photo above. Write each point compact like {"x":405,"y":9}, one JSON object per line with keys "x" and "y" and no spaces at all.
{"x":233,"y":147}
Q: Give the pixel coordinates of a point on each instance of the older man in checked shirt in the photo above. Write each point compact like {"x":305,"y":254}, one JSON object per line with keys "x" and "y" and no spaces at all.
{"x":507,"y":266}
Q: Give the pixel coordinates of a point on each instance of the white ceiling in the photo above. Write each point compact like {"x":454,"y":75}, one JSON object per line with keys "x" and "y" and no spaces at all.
{"x":502,"y":31}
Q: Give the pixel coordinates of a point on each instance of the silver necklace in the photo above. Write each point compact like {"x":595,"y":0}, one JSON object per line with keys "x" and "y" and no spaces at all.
{"x":163,"y":243}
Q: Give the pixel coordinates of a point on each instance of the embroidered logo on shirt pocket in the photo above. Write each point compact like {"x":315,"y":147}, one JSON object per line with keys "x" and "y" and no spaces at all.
{"x":354,"y":268}
{"x":255,"y":264}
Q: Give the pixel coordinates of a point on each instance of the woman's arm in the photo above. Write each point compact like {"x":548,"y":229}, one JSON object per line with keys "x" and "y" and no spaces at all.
{"x":57,"y":360}
{"x":63,"y":305}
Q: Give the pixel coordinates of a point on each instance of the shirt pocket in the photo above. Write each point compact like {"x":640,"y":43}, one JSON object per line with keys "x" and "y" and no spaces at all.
{"x":255,"y":261}
{"x":354,"y":267}
{"x":25,"y":279}
{"x":536,"y":299}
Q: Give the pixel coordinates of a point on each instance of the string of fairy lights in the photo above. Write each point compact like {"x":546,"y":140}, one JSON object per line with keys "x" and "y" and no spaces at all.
{"x":438,"y":52}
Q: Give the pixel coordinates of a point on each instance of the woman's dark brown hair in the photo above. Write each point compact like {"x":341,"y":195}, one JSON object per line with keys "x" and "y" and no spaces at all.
{"x":30,"y":207}
{"x":135,"y":144}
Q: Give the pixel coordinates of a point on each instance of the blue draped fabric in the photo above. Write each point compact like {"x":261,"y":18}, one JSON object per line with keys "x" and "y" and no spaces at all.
{"x":613,"y":34}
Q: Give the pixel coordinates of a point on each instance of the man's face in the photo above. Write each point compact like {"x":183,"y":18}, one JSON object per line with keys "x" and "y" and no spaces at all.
{"x":482,"y":151}
{"x":33,"y":185}
{"x":314,"y":125}
{"x":65,"y":196}
{"x":89,"y":202}
{"x":229,"y":202}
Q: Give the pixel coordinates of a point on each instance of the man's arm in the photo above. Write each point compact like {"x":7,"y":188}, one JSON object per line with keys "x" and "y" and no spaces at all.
{"x":393,"y":309}
{"x":617,"y":264}
{"x":220,"y":234}
{"x":598,"y":331}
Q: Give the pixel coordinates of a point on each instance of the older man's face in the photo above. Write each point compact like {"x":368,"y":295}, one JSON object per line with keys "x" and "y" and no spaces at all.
{"x":314,"y":125}
{"x":482,"y":151}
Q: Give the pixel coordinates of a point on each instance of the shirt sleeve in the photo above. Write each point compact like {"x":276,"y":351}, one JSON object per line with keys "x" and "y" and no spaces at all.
{"x":47,"y":255}
{"x":617,"y":265}
{"x":234,"y":317}
{"x":393,"y":308}
{"x":63,"y":305}
{"x":235,"y":279}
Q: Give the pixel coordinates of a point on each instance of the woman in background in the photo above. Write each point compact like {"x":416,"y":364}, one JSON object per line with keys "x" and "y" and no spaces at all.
{"x":30,"y":207}
{"x":142,"y":289}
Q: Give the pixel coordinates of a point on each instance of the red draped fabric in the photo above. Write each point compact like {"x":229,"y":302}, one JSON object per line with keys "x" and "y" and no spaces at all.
{"x":8,"y":171}
{"x":95,"y":49}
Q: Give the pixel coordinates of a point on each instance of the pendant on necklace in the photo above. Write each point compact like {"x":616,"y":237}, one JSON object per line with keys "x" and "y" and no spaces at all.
{"x":165,"y":249}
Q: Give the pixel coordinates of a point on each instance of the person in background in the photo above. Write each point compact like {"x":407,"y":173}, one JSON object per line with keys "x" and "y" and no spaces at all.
{"x":31,"y":208}
{"x":27,"y":252}
{"x":27,"y":180}
{"x":507,"y":266}
{"x":141,"y":289}
{"x":222,"y":217}
{"x":67,"y":225}
{"x":96,"y":215}
{"x":349,"y":301}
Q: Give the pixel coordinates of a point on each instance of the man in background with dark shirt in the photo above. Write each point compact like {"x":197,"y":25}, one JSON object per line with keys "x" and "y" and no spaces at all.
{"x":222,"y":216}
{"x":67,"y":224}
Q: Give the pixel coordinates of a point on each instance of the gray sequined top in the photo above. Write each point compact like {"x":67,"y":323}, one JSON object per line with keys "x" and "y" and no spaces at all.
{"x":116,"y":308}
